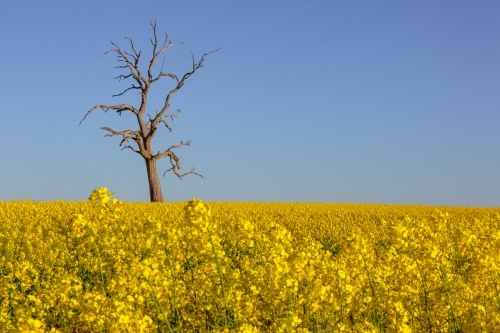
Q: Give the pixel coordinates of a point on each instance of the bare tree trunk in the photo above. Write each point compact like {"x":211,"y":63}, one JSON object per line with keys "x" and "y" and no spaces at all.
{"x":154,"y":182}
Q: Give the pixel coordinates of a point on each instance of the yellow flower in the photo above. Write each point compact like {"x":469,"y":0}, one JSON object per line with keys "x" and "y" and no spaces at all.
{"x":100,"y":195}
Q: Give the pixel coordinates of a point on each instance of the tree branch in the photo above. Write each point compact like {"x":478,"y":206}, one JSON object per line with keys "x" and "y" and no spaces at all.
{"x":180,"y":83}
{"x":135,"y":71}
{"x":186,"y":173}
{"x":175,"y":161}
{"x":169,"y":152}
{"x":123,"y":92}
{"x":127,"y":135}
{"x":118,"y":108}
{"x":152,"y":125}
{"x":167,"y":44}
{"x":134,"y":150}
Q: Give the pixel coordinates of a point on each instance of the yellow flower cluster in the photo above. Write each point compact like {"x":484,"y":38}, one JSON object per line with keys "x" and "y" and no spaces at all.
{"x":109,"y":266}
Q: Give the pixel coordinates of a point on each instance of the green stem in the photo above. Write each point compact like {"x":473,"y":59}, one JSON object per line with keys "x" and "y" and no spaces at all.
{"x":174,"y":282}
{"x":375,"y":294}
{"x":426,"y":297}
{"x":496,"y":290}
{"x":340,"y":297}
{"x":98,"y":257}
{"x":158,"y":306}
{"x":122,"y":231}
{"x":456,"y":322}
{"x":219,"y":270}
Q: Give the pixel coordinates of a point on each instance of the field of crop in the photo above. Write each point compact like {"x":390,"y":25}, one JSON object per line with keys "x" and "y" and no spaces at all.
{"x":108,"y":266}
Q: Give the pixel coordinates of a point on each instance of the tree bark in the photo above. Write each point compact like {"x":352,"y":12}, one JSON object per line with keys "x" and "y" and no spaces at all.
{"x":155,"y":193}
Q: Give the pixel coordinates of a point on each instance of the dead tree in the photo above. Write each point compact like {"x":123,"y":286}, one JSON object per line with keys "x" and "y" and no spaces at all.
{"x":143,"y":137}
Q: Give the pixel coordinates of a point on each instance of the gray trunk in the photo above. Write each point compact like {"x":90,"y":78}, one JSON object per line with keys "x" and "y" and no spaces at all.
{"x":154,"y":182}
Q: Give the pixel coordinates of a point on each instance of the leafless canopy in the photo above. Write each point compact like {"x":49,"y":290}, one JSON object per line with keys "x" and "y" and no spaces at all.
{"x":142,"y":82}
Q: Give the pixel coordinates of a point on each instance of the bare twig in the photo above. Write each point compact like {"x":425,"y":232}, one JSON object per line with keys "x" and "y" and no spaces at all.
{"x":191,"y":172}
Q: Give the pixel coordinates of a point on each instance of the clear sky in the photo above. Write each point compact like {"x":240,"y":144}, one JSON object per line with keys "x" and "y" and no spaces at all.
{"x":306,"y":101}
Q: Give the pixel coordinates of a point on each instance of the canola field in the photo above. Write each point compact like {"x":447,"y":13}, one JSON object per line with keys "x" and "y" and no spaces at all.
{"x":108,"y":266}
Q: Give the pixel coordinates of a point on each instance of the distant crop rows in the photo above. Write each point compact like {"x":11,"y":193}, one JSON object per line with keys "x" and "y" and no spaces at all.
{"x":108,"y":266}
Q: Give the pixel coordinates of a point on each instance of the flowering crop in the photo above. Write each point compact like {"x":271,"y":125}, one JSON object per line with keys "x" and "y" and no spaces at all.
{"x":108,"y":266}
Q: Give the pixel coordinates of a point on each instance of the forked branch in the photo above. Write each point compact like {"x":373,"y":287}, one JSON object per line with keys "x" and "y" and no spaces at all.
{"x":173,"y":168}
{"x":174,"y":160}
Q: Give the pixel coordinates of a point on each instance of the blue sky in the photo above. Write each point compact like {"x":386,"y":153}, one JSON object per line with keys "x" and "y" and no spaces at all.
{"x":307,"y":101}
